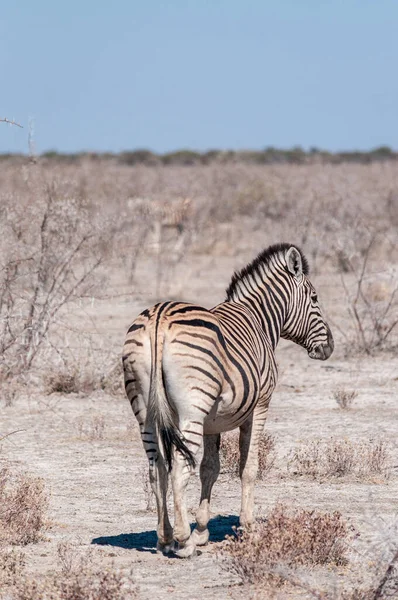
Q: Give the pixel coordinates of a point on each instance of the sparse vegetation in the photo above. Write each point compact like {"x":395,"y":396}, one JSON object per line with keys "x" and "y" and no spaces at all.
{"x":340,"y":458}
{"x":12,"y":565}
{"x":23,"y":507}
{"x":91,"y":429}
{"x":229,"y":454}
{"x":78,"y":578}
{"x":345,"y":398}
{"x":268,"y":156}
{"x":287,"y":538}
{"x":148,"y":233}
{"x":372,"y":304}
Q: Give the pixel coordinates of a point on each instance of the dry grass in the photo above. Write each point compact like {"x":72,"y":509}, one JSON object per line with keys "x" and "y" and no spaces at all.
{"x":23,"y":507}
{"x":77,"y":579}
{"x":345,"y":398}
{"x":9,"y":391}
{"x":229,"y":454}
{"x":288,"y":538}
{"x":12,"y":565}
{"x":91,"y":429}
{"x":85,"y":584}
{"x":116,"y":218}
{"x":340,"y":458}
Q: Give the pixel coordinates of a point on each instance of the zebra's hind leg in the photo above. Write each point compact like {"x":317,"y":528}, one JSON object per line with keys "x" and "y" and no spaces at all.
{"x":209,"y":471}
{"x":250,"y":433}
{"x":158,"y":477}
{"x":180,"y":474}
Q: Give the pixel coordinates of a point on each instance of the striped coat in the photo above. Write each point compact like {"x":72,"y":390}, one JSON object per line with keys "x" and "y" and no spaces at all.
{"x":192,"y":373}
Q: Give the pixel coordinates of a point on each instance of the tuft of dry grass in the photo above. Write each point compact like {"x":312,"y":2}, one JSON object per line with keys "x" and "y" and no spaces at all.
{"x":345,"y":398}
{"x":23,"y":506}
{"x":74,"y":381}
{"x":230,"y":455}
{"x":63,"y":383}
{"x":93,"y":429}
{"x":287,"y":538}
{"x":339,"y":458}
{"x":8,"y":391}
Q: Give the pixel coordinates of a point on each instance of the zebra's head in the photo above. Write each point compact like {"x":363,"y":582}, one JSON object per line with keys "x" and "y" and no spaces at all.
{"x":304,"y":323}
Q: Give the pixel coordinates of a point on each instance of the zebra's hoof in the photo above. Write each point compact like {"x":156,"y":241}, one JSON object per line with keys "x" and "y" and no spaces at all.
{"x":200,"y":538}
{"x":167,"y":548}
{"x":186,"y":549}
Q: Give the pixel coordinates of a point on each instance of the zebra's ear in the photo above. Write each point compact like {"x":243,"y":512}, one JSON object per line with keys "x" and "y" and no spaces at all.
{"x":294,"y":262}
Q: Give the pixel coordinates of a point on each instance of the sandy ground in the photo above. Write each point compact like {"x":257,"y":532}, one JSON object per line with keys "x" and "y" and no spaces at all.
{"x":96,"y":486}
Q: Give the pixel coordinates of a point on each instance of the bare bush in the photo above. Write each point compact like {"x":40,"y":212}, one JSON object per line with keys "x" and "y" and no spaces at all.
{"x":71,"y":559}
{"x":345,"y":398}
{"x":288,"y":538}
{"x":49,"y":257}
{"x":372,"y":304}
{"x":230,"y":455}
{"x":339,"y":458}
{"x":23,"y":507}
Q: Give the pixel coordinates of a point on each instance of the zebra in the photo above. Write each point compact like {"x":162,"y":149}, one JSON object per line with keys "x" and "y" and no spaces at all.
{"x":192,"y":373}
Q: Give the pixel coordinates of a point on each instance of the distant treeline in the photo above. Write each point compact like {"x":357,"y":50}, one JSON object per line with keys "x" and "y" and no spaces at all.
{"x":267,"y":156}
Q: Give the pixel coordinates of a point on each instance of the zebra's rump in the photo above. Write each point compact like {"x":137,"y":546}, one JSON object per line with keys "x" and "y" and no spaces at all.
{"x":215,"y":365}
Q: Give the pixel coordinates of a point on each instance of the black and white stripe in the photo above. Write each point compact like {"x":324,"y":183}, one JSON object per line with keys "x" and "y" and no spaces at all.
{"x":192,"y":372}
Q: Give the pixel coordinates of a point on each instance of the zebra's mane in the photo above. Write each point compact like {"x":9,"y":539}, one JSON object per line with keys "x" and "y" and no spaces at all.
{"x":263,"y":259}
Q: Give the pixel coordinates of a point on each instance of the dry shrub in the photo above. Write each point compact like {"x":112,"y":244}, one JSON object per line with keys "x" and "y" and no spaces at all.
{"x":230,"y":456}
{"x":23,"y":506}
{"x":93,"y":429}
{"x":344,"y":398}
{"x":338,"y":458}
{"x":72,"y":560}
{"x":120,"y":221}
{"x":12,"y":564}
{"x":112,"y":381}
{"x":44,"y":268}
{"x":372,"y":303}
{"x":286,"y":539}
{"x":92,"y":368}
{"x":73,"y":382}
{"x":229,"y":453}
{"x":78,"y":579}
{"x":100,"y":584}
{"x":63,"y":383}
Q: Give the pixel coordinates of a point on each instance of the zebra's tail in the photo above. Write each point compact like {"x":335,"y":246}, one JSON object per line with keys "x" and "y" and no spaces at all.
{"x":160,"y":409}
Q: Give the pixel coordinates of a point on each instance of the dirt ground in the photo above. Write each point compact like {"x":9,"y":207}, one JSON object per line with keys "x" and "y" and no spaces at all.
{"x":96,"y":477}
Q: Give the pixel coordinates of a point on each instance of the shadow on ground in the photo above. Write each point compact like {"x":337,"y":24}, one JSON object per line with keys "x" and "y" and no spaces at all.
{"x":145,"y":541}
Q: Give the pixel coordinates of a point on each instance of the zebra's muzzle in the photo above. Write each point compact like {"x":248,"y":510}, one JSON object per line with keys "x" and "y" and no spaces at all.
{"x":323,"y":351}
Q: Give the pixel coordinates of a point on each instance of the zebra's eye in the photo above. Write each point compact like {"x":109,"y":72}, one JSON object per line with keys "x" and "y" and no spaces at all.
{"x":314,"y":298}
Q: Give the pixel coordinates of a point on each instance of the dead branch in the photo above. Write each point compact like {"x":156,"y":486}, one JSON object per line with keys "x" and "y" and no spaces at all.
{"x":11,"y":433}
{"x":10,"y":122}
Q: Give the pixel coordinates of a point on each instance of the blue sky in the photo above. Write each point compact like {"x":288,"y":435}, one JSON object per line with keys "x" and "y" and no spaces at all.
{"x":199,"y":74}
